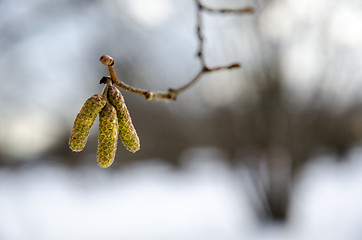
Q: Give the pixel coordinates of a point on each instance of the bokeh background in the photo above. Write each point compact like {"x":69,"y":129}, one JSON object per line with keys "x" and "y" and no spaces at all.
{"x":269,"y":151}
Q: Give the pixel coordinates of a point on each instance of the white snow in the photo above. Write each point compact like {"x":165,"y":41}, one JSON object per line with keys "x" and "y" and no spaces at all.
{"x":152,"y":201}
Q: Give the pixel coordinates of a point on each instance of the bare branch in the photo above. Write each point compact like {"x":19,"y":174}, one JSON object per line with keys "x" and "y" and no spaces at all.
{"x":172,"y":94}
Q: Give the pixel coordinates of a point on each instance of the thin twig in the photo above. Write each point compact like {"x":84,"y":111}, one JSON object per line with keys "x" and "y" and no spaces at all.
{"x":172,"y":94}
{"x":247,"y":10}
{"x":200,"y":35}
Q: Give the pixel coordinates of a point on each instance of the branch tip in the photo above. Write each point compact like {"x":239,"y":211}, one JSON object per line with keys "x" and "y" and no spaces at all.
{"x":106,"y":60}
{"x":234,"y":66}
{"x":249,"y":10}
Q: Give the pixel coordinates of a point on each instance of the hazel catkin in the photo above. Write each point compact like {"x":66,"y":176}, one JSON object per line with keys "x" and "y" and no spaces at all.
{"x":108,"y":134}
{"x":84,"y":121}
{"x":127,"y":132}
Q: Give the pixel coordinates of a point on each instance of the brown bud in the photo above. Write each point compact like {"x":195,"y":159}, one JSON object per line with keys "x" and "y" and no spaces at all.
{"x":84,"y":121}
{"x":108,"y":134}
{"x":106,"y":60}
{"x":127,"y":132}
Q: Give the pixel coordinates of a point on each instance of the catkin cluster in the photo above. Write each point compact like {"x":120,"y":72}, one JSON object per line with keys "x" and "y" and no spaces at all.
{"x":114,"y":120}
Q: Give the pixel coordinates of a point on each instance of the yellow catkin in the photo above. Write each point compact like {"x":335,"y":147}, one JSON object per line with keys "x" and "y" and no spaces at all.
{"x":127,"y":132}
{"x":108,"y":134}
{"x":84,"y":121}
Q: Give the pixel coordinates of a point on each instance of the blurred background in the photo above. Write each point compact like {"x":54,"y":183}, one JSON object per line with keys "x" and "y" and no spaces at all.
{"x":270,"y":151}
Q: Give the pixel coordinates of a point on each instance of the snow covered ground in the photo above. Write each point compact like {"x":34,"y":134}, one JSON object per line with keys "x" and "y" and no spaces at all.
{"x":152,"y":201}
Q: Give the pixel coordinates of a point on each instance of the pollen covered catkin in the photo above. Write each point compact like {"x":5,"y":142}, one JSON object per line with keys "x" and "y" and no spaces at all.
{"x":84,"y":121}
{"x":108,"y":134}
{"x":127,"y":132}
